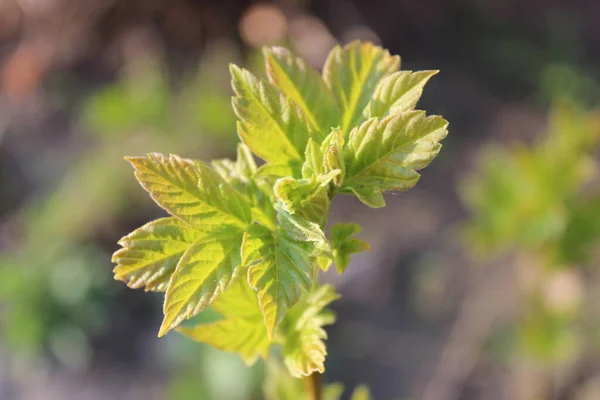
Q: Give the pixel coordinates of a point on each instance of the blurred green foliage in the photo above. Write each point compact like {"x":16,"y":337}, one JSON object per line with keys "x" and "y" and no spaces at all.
{"x":55,"y":277}
{"x":541,"y":203}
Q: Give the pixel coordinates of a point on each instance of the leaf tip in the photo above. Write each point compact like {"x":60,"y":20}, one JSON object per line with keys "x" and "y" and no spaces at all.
{"x":164,"y":328}
{"x":235,"y":70}
{"x":133,"y":160}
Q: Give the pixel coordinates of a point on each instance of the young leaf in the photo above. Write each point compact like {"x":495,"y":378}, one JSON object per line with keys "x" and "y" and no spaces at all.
{"x":279,"y":263}
{"x":369,"y":196}
{"x":304,"y":231}
{"x":333,"y":391}
{"x":273,"y":127}
{"x":305,"y":197}
{"x":239,"y":172}
{"x":304,"y":86}
{"x":344,"y":244}
{"x":227,"y":169}
{"x":361,"y":393}
{"x":397,"y":93}
{"x":242,"y":330}
{"x":304,"y":350}
{"x":352,"y":74}
{"x":321,"y":161}
{"x":385,"y":154}
{"x":191,"y":191}
{"x":205,"y":270}
{"x":313,"y":160}
{"x":280,"y":385}
{"x":273,"y":171}
{"x":150,"y":253}
{"x":333,"y":158}
{"x":245,"y":164}
{"x":279,"y":269}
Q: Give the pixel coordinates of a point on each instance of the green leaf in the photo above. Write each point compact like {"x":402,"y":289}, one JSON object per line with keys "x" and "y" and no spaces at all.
{"x":245,"y":164}
{"x":271,"y":125}
{"x":150,"y":253}
{"x":191,"y":191}
{"x":279,"y":269}
{"x":205,"y":270}
{"x":361,"y":393}
{"x":304,"y":86}
{"x":304,"y":231}
{"x":280,"y":385}
{"x":313,"y":161}
{"x":238,"y":173}
{"x":398,"y":93}
{"x":325,"y":162}
{"x":242,"y":330}
{"x":307,"y":198}
{"x":304,"y":350}
{"x":227,"y":169}
{"x":271,"y":171}
{"x":352,"y":73}
{"x":280,"y":264}
{"x":369,"y":196}
{"x":344,"y":244}
{"x":333,"y":391}
{"x":333,"y":158}
{"x":385,"y":154}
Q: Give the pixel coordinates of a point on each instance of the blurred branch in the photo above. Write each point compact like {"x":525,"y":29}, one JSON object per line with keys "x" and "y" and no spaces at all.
{"x":487,"y":299}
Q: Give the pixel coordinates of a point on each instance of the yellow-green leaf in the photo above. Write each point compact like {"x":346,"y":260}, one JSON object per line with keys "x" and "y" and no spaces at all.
{"x":313,"y":160}
{"x":150,"y":253}
{"x":205,"y":270}
{"x":333,"y":158}
{"x":273,"y":127}
{"x":304,"y":350}
{"x":242,"y":330}
{"x":385,"y":154}
{"x":191,"y":191}
{"x":344,"y":244}
{"x":305,"y":197}
{"x":352,"y":73}
{"x":397,"y":93}
{"x":279,"y":265}
{"x":361,"y":393}
{"x":245,"y":163}
{"x":304,"y":86}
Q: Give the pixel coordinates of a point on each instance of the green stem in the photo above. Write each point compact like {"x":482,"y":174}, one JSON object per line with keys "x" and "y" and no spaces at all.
{"x":314,"y":386}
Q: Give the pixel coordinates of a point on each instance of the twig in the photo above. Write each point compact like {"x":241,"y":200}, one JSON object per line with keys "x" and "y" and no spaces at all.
{"x":314,"y":386}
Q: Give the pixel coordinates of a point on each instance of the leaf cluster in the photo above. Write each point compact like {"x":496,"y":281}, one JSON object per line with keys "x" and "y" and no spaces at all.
{"x":541,"y":196}
{"x":248,"y":240}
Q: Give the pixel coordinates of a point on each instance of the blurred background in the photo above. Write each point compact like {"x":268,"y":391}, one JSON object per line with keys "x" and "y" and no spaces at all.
{"x":483,"y":281}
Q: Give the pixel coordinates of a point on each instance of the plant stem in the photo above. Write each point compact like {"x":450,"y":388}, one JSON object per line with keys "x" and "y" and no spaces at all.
{"x":313,"y":383}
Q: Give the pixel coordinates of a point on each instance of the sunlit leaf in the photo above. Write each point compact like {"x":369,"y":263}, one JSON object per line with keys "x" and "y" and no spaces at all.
{"x":279,"y":269}
{"x":308,"y":198}
{"x":150,"y":253}
{"x":333,"y":391}
{"x":271,"y":125}
{"x":304,"y":86}
{"x":361,"y":393}
{"x":205,"y":270}
{"x":333,"y":157}
{"x":352,"y":73}
{"x":279,"y":263}
{"x":344,"y":244}
{"x":304,"y":349}
{"x":313,"y":160}
{"x":385,"y":154}
{"x":397,"y":93}
{"x":242,"y":330}
{"x":191,"y":191}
